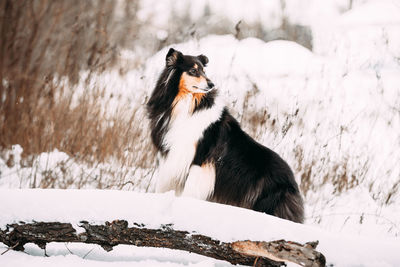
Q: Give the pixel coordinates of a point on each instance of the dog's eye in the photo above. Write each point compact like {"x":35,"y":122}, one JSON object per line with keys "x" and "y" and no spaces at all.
{"x":193,"y":72}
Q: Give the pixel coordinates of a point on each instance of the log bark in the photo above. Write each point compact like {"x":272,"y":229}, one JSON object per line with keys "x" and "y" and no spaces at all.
{"x":251,"y":253}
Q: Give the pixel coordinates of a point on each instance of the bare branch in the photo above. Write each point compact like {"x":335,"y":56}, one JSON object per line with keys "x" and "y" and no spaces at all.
{"x":252,"y":253}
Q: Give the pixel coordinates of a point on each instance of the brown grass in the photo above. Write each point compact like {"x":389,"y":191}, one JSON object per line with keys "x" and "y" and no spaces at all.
{"x":42,"y":40}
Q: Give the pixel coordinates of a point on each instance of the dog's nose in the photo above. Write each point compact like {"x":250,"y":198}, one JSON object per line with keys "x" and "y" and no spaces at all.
{"x":210,"y":84}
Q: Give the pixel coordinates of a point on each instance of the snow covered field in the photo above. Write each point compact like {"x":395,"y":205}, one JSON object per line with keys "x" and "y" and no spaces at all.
{"x":333,"y":114}
{"x":221,"y":222}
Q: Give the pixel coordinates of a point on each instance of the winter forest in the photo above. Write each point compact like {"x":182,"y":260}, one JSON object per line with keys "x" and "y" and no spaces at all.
{"x":316,"y":81}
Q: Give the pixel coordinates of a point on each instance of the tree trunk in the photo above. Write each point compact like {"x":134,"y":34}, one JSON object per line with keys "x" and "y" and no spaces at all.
{"x":251,"y":253}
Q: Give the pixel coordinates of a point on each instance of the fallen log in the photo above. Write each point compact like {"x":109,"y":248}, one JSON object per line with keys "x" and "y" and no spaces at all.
{"x":251,"y":253}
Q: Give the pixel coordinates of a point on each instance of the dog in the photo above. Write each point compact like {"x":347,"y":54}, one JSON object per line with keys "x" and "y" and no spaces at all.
{"x":203,"y":151}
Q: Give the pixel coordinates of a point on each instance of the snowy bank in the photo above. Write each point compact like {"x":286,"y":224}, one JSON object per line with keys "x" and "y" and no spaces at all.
{"x":222,"y":222}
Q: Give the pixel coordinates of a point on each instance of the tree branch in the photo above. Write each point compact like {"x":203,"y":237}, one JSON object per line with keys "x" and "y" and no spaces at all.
{"x":117,"y":232}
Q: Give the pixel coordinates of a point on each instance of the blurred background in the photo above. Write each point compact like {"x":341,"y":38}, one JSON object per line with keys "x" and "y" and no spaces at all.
{"x":317,"y":81}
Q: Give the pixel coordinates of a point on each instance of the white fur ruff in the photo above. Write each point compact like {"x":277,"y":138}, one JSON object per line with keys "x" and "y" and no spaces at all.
{"x":184,"y":132}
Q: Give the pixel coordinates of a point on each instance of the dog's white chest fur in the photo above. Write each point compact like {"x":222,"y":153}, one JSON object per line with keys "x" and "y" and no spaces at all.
{"x":184,"y":132}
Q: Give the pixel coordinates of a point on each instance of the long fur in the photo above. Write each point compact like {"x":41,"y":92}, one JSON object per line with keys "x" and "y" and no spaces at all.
{"x":205,"y":153}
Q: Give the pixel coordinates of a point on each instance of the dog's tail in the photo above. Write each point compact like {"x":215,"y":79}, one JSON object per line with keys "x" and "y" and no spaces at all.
{"x":283,"y":204}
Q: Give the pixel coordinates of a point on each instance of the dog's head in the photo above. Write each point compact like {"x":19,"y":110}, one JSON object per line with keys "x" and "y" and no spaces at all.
{"x":193,"y":78}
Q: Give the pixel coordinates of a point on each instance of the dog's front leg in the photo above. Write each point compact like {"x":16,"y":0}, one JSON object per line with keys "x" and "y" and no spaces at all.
{"x":200,"y":181}
{"x":165,"y":181}
{"x":170,"y":176}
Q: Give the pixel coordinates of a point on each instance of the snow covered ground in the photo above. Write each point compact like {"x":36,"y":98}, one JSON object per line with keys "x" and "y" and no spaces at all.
{"x":333,"y":114}
{"x":221,"y":222}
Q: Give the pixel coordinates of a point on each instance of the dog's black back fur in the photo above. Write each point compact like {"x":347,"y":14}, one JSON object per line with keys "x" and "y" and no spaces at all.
{"x":247,"y":174}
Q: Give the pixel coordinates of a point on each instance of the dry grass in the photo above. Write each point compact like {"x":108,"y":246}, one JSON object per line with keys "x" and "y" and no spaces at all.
{"x":315,"y":170}
{"x":42,"y":40}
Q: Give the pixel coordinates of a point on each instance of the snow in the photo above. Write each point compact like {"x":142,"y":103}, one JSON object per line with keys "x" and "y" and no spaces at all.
{"x":382,"y":12}
{"x":268,"y":13}
{"x":160,"y":14}
{"x":70,"y":173}
{"x":92,"y":255}
{"x":222,"y":222}
{"x":336,"y":106}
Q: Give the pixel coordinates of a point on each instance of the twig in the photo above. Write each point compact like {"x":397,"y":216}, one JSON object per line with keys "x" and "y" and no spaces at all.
{"x":9,"y":248}
{"x":88,"y":253}
{"x":237,"y":29}
{"x":68,"y":249}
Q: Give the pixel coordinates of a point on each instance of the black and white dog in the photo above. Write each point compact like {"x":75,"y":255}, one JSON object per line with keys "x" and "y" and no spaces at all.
{"x":204,"y":152}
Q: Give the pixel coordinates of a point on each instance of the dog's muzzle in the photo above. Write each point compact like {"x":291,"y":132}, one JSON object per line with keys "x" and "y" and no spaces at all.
{"x":204,"y":90}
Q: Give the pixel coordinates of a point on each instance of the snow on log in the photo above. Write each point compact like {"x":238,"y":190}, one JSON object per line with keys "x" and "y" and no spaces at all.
{"x":250,"y":253}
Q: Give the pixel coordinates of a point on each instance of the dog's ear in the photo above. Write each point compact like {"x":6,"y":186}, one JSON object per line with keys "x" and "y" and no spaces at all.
{"x":173,"y":57}
{"x":203,"y":59}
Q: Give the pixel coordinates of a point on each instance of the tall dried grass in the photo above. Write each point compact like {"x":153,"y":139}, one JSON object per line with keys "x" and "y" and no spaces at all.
{"x":41,"y":40}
